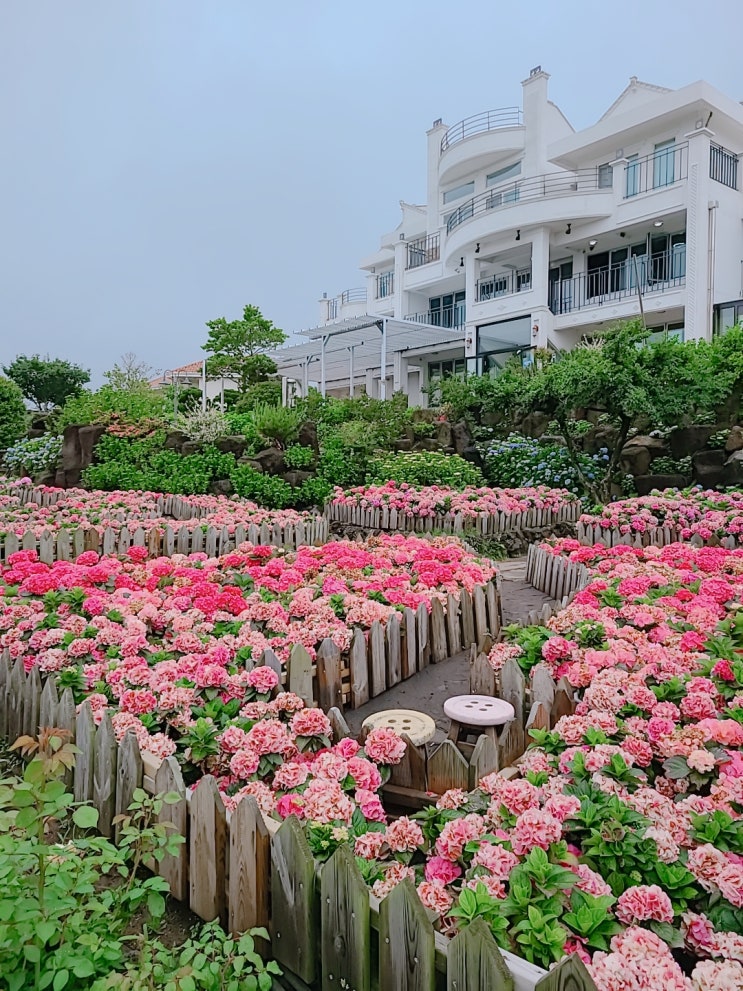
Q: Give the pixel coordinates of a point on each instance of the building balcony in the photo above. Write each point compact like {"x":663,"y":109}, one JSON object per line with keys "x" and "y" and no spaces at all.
{"x":723,"y":166}
{"x":665,"y":167}
{"x":452,"y":317}
{"x":503,"y":284}
{"x":385,"y":285}
{"x":423,"y":251}
{"x":490,"y":120}
{"x":644,"y":275}
{"x":348,"y":298}
{"x":553,"y":184}
{"x":478,"y":141}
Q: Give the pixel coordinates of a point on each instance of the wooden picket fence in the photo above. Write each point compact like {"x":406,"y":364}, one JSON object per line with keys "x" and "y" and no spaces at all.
{"x":593,"y":533}
{"x":486,"y":524}
{"x":327,"y":930}
{"x":554,"y":574}
{"x":68,"y":543}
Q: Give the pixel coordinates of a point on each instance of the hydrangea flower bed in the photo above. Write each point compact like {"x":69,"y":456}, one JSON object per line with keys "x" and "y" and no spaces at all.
{"x":79,"y":509}
{"x":707,"y":514}
{"x":436,"y":500}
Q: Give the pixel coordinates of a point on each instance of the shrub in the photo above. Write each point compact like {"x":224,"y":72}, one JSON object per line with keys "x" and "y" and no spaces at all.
{"x":261,"y":393}
{"x":671,"y":466}
{"x":340,"y":466}
{"x":522,"y":461}
{"x":137,"y":410}
{"x":298,"y":456}
{"x":267,"y":490}
{"x":33,"y":457}
{"x":12,"y":412}
{"x":278,"y":425}
{"x":145,"y":465}
{"x":425,"y":468}
{"x":202,"y":426}
{"x":61,"y":924}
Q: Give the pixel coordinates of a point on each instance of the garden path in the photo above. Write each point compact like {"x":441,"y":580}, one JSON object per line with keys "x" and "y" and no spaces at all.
{"x":428,"y":690}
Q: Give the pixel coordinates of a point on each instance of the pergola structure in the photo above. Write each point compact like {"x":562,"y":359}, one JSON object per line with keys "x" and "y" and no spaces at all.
{"x":342,"y":347}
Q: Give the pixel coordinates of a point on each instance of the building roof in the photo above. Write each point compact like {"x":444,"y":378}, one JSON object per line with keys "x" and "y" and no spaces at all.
{"x":192,"y":368}
{"x":635,"y":87}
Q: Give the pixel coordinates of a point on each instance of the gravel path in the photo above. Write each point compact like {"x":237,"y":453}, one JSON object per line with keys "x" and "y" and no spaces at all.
{"x":428,"y":690}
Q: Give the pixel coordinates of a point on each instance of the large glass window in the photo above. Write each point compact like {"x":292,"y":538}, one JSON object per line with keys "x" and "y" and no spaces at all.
{"x":606,"y":176}
{"x":727,"y":315}
{"x":500,"y":175}
{"x":466,"y":189}
{"x":664,"y":160}
{"x":448,"y":310}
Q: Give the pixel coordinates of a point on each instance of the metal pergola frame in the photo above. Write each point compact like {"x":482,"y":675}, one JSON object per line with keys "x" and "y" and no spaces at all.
{"x":352,"y":334}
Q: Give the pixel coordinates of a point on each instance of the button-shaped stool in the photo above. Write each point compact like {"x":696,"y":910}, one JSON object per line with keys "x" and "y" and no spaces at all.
{"x":417,"y":725}
{"x":477,"y":714}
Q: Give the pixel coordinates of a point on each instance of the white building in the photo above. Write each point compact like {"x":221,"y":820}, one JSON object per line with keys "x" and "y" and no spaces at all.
{"x":534,"y":234}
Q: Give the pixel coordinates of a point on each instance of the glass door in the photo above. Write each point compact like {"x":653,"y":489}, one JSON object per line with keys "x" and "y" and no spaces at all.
{"x":664,"y":161}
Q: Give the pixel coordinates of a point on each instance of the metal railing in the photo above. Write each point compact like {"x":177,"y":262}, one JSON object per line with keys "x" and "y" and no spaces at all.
{"x":353,"y":296}
{"x":385,"y":285}
{"x":658,"y":273}
{"x":723,"y":166}
{"x":539,"y":187}
{"x":424,"y":250}
{"x":453,"y":317}
{"x":490,"y":120}
{"x":503,"y":284}
{"x":664,"y":167}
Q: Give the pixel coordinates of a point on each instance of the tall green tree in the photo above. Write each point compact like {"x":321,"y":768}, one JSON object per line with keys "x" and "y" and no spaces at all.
{"x":237,"y":348}
{"x":12,"y":412}
{"x":46,"y":382}
{"x":622,"y":376}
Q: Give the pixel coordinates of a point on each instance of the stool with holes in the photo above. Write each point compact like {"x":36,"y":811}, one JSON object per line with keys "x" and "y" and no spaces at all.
{"x":418,"y":726}
{"x":476,"y":714}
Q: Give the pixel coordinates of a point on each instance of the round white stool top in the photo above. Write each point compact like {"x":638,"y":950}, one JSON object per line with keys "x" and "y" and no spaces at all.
{"x":479,"y":710}
{"x":417,"y":725}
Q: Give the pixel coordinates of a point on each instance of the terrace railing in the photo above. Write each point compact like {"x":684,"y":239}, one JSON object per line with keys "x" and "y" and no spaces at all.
{"x":424,"y":250}
{"x":490,"y":120}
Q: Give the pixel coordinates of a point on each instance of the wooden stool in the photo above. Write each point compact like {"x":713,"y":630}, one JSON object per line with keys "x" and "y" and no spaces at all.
{"x":477,"y":714}
{"x":417,"y":725}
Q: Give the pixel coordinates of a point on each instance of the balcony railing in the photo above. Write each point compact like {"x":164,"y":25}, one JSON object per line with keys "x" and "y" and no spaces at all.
{"x":385,"y":285}
{"x":490,"y":120}
{"x":539,"y":187}
{"x":723,"y":166}
{"x":659,"y":273}
{"x":503,"y":284}
{"x":453,"y":317}
{"x":424,"y":250}
{"x":664,"y":167}
{"x":353,"y":296}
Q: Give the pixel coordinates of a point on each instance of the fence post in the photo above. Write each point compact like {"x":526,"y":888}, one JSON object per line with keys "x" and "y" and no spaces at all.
{"x":345,"y":938}
{"x":294,"y":916}
{"x":208,"y":836}
{"x":406,"y":942}
{"x":474,"y":962}
{"x":174,"y":867}
{"x":250,"y":867}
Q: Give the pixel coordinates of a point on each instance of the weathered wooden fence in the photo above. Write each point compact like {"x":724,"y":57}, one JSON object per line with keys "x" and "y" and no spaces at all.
{"x":593,"y":533}
{"x":554,"y":574}
{"x":384,"y":518}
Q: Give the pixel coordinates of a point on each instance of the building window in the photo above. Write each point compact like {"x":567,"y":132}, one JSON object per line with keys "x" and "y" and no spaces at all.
{"x":501,"y":174}
{"x":606,"y":176}
{"x":664,"y":161}
{"x":448,"y":310}
{"x":666,"y":332}
{"x":727,"y":315}
{"x":458,"y":192}
{"x":632,"y":172}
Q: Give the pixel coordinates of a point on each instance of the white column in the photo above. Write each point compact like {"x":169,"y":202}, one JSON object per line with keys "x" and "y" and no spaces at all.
{"x":350,"y":371}
{"x":305,"y":378}
{"x":401,"y":256}
{"x":323,"y":341}
{"x":697,"y":316}
{"x":383,"y":362}
{"x":540,"y":263}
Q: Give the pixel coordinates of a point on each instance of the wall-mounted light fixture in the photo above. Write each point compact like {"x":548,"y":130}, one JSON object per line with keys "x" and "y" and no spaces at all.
{"x":569,"y":228}
{"x":477,"y":249}
{"x":657,"y":223}
{"x":592,"y":245}
{"x":518,"y":235}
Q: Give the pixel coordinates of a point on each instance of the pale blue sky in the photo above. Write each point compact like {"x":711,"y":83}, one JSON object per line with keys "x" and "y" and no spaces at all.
{"x":163,"y":162}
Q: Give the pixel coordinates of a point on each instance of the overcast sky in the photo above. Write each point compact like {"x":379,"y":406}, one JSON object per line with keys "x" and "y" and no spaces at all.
{"x":164,"y":162}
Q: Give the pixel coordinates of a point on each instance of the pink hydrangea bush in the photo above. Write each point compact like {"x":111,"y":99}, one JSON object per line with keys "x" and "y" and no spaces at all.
{"x":708,"y":514}
{"x":471,"y":502}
